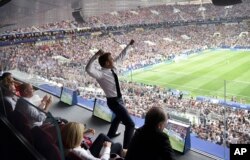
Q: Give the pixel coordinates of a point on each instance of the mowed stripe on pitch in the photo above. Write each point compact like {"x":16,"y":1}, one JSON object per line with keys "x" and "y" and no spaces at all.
{"x":203,"y":73}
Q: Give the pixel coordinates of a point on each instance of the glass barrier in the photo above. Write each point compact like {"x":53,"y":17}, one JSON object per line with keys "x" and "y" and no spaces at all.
{"x":236,"y":113}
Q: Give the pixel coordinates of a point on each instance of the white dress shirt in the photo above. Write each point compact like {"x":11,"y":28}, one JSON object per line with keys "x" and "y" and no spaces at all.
{"x":34,"y":116}
{"x":104,"y":76}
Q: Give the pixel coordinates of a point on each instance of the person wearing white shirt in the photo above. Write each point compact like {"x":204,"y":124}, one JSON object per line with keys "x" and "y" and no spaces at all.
{"x":108,"y":81}
{"x":25,"y":107}
{"x":72,"y":136}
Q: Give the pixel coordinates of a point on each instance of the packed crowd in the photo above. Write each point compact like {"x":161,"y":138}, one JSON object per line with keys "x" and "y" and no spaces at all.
{"x":156,"y":46}
{"x":176,"y":12}
{"x":234,"y":127}
{"x":215,"y":122}
{"x":153,"y":14}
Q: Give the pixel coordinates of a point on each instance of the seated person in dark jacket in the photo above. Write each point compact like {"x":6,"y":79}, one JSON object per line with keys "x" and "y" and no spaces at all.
{"x":149,"y":142}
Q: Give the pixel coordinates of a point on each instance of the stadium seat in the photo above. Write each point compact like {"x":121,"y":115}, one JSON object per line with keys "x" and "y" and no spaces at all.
{"x":6,"y":107}
{"x":45,"y":145}
{"x":73,"y":156}
{"x":20,"y":122}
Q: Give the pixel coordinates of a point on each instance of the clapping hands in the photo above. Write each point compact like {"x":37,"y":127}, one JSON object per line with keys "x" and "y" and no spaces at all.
{"x":107,"y":144}
{"x":89,"y":131}
{"x":46,"y":101}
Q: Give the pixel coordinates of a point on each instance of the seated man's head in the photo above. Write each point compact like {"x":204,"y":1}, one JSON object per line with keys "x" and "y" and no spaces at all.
{"x":7,"y":78}
{"x":26,"y":90}
{"x":9,"y":89}
{"x":156,"y":118}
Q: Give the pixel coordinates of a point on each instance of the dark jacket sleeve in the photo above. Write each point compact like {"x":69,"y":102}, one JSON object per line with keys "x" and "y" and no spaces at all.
{"x":166,"y":149}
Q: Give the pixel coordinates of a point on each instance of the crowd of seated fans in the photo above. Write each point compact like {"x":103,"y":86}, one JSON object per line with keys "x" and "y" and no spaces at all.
{"x":153,"y":14}
{"x":41,"y":59}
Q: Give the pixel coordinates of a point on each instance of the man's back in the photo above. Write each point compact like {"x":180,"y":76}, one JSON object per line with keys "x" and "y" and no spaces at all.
{"x":149,"y":144}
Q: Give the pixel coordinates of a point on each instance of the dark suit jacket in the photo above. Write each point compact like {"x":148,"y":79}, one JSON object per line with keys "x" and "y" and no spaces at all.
{"x":149,"y":144}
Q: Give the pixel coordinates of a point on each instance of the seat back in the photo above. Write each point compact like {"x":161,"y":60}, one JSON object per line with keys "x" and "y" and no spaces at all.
{"x":45,"y":145}
{"x":7,"y":107}
{"x":73,"y":156}
{"x":20,"y":122}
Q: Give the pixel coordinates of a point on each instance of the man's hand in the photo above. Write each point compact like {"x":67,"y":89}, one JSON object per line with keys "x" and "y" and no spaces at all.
{"x":99,"y":53}
{"x":90,"y":131}
{"x":131,"y":42}
{"x":107,"y":144}
{"x":45,"y":98}
{"x":49,"y":101}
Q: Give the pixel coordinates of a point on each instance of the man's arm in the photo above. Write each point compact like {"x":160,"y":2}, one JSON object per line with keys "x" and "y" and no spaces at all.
{"x":166,"y":150}
{"x":124,"y":52}
{"x":90,"y":68}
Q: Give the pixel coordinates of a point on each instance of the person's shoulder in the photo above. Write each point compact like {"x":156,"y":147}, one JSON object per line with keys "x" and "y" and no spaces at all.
{"x":161,"y":135}
{"x":141,"y":130}
{"x":141,"y":133}
{"x":21,"y":102}
{"x":80,"y":151}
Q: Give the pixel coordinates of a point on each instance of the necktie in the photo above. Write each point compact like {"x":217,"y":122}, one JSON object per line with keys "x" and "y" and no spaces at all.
{"x":14,"y":99}
{"x":116,"y":84}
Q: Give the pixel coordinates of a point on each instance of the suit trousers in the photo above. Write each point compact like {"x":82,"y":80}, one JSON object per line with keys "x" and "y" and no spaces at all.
{"x":98,"y":143}
{"x":121,"y":115}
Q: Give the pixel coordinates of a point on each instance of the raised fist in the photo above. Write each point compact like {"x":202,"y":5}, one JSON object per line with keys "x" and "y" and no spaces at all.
{"x":131,"y":42}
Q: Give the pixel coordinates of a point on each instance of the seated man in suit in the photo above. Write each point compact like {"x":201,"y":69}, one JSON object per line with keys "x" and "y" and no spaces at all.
{"x":149,"y":141}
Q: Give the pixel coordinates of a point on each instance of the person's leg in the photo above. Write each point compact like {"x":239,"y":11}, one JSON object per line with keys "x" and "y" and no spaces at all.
{"x":116,"y":121}
{"x":116,"y":148}
{"x":121,"y":112}
{"x":129,"y":132}
{"x":97,"y":144}
{"x":129,"y":124}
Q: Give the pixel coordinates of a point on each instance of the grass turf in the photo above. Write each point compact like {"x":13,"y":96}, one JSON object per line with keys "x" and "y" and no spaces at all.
{"x":203,"y":74}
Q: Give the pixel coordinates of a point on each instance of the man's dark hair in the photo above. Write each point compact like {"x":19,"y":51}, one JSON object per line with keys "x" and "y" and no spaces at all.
{"x":103,"y":59}
{"x":154,"y":116}
{"x":5,"y":74}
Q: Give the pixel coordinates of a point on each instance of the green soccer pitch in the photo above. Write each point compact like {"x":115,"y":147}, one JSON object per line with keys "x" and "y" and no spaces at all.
{"x":202,"y":74}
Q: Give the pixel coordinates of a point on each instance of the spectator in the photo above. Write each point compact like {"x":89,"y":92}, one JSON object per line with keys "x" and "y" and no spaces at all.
{"x":23,"y":105}
{"x":72,"y":136}
{"x":7,"y":79}
{"x":108,"y":80}
{"x":9,"y":91}
{"x":149,"y":141}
